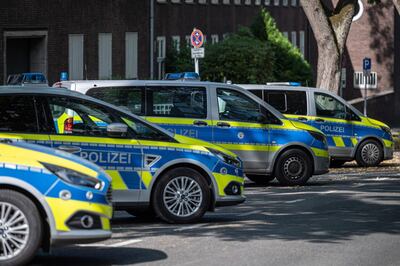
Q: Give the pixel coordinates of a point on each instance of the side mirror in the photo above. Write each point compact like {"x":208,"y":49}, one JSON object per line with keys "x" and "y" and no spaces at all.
{"x":117,"y":130}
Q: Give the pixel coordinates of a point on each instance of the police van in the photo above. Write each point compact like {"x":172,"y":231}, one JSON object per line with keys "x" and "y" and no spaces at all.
{"x":48,"y":197}
{"x":269,"y":144}
{"x":178,"y":177}
{"x":351,"y":135}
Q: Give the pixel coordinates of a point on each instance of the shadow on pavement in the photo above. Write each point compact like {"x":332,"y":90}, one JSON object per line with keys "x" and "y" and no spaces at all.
{"x":315,"y":213}
{"x":99,"y":256}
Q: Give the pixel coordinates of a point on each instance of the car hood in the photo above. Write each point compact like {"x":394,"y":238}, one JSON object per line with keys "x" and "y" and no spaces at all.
{"x":377,"y":123}
{"x":192,"y":141}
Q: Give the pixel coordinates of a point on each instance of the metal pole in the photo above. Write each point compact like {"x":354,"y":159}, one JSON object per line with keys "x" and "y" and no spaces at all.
{"x":151,"y":39}
{"x":365,"y":94}
{"x":196,"y":66}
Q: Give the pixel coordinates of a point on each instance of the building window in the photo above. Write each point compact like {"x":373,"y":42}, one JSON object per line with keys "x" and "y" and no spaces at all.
{"x":247,"y":2}
{"x":202,"y":2}
{"x":294,"y":38}
{"x":131,"y":55}
{"x":188,"y":42}
{"x":75,"y":56}
{"x":237,"y":2}
{"x":226,"y":2}
{"x":267,"y":2}
{"x":215,"y":2}
{"x":175,"y":1}
{"x":161,"y":1}
{"x":176,"y":42}
{"x":276,"y":2}
{"x":161,"y":56}
{"x":257,"y":2}
{"x":105,"y":55}
{"x":285,"y":33}
{"x":285,"y":2}
{"x":214,"y":38}
{"x":189,"y":1}
{"x":294,"y":2}
{"x":225,"y":36}
{"x":302,"y":42}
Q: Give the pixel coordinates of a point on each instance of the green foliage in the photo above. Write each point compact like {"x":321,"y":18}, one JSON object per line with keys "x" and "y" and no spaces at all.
{"x":258,"y":54}
{"x":289,"y":64}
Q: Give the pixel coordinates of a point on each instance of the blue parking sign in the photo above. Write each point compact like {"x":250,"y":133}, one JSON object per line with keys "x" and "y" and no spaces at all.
{"x":367,"y":64}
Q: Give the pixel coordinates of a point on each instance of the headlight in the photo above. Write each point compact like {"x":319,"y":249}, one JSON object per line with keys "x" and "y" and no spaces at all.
{"x":225,"y":157}
{"x":387,"y":130}
{"x":73,"y":177}
{"x":318,"y":136}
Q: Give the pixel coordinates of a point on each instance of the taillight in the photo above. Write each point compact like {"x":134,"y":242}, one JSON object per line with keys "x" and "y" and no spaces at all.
{"x":68,"y":125}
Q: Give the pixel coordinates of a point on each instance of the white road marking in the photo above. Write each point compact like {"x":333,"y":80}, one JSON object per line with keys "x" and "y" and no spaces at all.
{"x":184,"y":228}
{"x":125,"y":243}
{"x":92,"y":245}
{"x":248,"y":213}
{"x":294,"y":201}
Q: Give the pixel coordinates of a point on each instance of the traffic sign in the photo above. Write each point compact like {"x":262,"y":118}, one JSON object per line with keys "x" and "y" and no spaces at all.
{"x":197,"y":38}
{"x":198,"y":52}
{"x":367,"y":65}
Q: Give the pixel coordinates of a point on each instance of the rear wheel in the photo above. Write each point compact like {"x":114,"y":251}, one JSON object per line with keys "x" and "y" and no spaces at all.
{"x":261,"y":179}
{"x":21,"y":228}
{"x":182,"y":195}
{"x":293,"y":167}
{"x":369,"y":153}
{"x":337,"y":163}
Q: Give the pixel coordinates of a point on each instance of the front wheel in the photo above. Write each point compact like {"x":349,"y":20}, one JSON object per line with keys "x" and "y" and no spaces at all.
{"x":182,"y":195}
{"x":21,"y":228}
{"x":261,"y":179}
{"x":369,"y":154}
{"x":293,"y":168}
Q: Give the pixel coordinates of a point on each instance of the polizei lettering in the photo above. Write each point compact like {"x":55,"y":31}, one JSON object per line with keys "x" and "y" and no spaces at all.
{"x":332,"y":129}
{"x":107,"y":157}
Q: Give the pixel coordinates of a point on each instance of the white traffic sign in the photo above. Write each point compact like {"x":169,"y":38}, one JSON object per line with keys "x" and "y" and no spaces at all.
{"x":198,"y":52}
{"x":197,"y":38}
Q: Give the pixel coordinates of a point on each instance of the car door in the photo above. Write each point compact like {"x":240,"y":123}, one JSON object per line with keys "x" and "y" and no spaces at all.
{"x":21,"y":119}
{"x":237,"y":127}
{"x":181,"y":109}
{"x":331,"y":117}
{"x":81,"y":127}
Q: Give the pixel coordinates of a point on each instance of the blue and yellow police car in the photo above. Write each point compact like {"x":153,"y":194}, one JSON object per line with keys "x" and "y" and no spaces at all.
{"x":350,"y":134}
{"x":178,"y":177}
{"x":269,"y":144}
{"x":49,"y":197}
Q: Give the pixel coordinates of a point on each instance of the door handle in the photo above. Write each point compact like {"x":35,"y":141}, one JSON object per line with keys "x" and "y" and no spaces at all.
{"x":302,"y":119}
{"x":223,"y":124}
{"x":200,"y":123}
{"x":70,"y":149}
{"x":319,"y":120}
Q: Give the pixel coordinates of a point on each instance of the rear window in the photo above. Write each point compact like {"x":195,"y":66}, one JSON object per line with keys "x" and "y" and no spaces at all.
{"x":287,"y":102}
{"x":18,"y":114}
{"x":128,"y":98}
{"x":177,"y":101}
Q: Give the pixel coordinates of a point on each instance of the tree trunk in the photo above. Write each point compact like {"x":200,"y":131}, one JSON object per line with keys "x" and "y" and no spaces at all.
{"x":331,"y":35}
{"x":397,"y":5}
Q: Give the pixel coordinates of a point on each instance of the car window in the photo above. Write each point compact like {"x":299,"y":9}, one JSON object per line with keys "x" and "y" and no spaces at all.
{"x":177,"y":101}
{"x":128,"y":98}
{"x":145,"y":132}
{"x":18,"y":114}
{"x":77,"y":117}
{"x":288,"y":102}
{"x":258,"y":93}
{"x":328,"y":106}
{"x":235,"y":106}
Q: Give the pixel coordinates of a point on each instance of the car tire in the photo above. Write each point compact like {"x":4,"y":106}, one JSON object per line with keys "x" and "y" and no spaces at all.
{"x":261,"y":179}
{"x":369,"y":153}
{"x":182,"y":195}
{"x":293,"y":168}
{"x":337,"y":163}
{"x":29,"y":218}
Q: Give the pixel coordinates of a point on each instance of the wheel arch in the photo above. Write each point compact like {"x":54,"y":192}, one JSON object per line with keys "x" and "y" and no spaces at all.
{"x":193,"y":164}
{"x":39,"y":201}
{"x":299,"y":146}
{"x":366,"y":138}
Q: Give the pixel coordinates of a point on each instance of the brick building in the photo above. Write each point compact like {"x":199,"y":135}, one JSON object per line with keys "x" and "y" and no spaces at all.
{"x":107,"y":39}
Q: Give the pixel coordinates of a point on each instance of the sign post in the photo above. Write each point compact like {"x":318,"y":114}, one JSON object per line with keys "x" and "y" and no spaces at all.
{"x":367,"y":72}
{"x":197,"y":40}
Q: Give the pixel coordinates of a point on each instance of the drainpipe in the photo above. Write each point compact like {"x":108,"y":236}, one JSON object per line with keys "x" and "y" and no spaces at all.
{"x":151,"y":39}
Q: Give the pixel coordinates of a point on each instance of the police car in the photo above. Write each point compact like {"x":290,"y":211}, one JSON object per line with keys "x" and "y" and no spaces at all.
{"x":180,"y":178}
{"x":49,"y":197}
{"x":351,"y":135}
{"x":269,"y":144}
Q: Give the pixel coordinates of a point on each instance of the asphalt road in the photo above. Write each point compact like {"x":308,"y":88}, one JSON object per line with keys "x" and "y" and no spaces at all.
{"x":337,"y":219}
